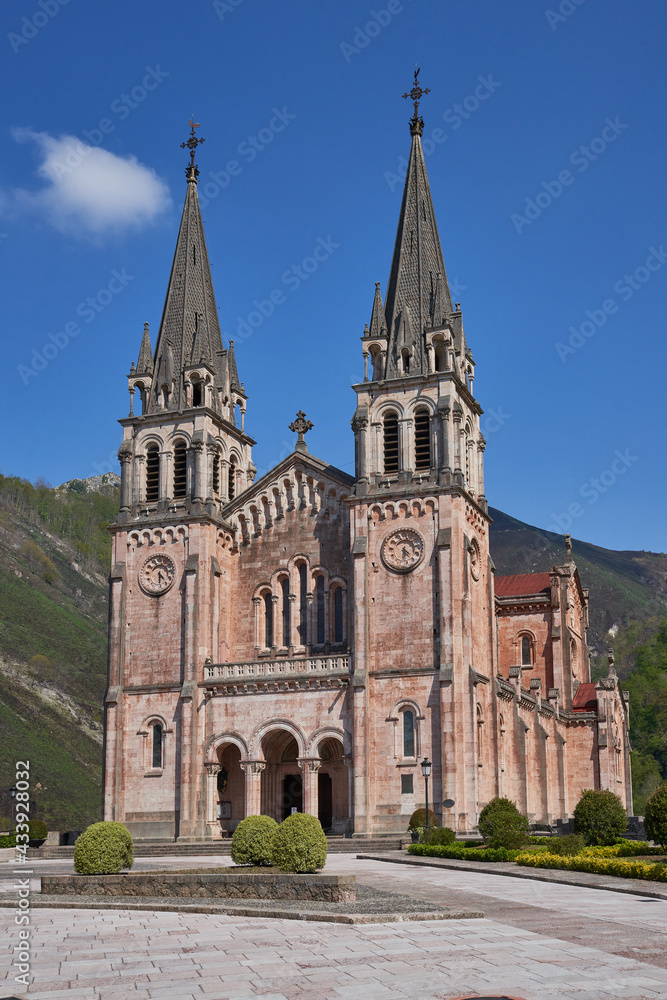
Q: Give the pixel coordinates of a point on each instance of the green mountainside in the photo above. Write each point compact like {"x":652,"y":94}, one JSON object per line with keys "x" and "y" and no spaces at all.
{"x":54,"y":557}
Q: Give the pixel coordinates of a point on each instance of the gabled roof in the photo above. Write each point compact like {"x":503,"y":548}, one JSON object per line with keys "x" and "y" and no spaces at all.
{"x":585,"y":700}
{"x":523,"y":585}
{"x":300,"y":459}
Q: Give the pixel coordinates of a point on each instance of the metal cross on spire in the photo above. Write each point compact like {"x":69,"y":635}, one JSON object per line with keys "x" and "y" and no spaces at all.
{"x":301,"y":426}
{"x":415,"y":95}
{"x":192,"y":171}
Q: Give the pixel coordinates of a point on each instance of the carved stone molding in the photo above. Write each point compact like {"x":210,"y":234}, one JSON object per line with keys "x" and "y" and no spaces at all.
{"x":253,"y":766}
{"x":213,"y":769}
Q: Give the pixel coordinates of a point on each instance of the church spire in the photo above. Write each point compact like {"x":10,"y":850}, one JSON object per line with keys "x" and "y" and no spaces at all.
{"x":145,"y":362}
{"x":189,"y":330}
{"x":418,"y":295}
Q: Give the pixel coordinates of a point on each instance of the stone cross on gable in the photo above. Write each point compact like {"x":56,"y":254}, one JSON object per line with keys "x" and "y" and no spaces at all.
{"x":301,"y":426}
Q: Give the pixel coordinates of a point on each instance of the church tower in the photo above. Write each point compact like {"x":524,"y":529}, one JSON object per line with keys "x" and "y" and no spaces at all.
{"x":423,"y":585}
{"x":184,"y":457}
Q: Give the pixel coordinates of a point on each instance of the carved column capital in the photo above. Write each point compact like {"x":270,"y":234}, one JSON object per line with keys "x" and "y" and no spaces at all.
{"x":213,"y":769}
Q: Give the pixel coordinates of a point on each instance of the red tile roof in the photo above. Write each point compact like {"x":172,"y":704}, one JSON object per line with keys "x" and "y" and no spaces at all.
{"x":585,"y":700}
{"x":523,"y":585}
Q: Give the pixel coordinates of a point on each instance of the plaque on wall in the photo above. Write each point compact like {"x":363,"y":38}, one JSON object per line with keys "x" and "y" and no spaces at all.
{"x":403,"y":550}
{"x":157,"y":574}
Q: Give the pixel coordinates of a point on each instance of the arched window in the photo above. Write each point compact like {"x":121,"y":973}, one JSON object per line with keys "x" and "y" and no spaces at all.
{"x":422,"y":440}
{"x":526,"y":651}
{"x":376,"y":360}
{"x":338,"y":614}
{"x":157,"y":746}
{"x":440,"y":356}
{"x":405,"y":361}
{"x":152,"y":474}
{"x":216,"y":473}
{"x":268,"y":620}
{"x":284,"y":587}
{"x":180,"y":470}
{"x":480,"y":736}
{"x":303,"y":604}
{"x":391,"y":442}
{"x":409,"y":749}
{"x":319,"y":596}
{"x":231,"y":484}
{"x":198,"y":394}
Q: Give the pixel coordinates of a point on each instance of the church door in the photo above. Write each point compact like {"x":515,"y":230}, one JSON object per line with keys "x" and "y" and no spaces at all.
{"x":325,"y":800}
{"x":292,"y":794}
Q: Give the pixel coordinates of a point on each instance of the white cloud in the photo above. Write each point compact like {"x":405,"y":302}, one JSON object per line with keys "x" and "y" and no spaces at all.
{"x":89,"y":191}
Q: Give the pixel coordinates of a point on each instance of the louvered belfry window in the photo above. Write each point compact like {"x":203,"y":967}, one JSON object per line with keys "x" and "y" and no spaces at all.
{"x":180,"y":470}
{"x":338,"y":614}
{"x":231,"y":488}
{"x":152,"y":474}
{"x":284,"y":587}
{"x":422,"y":440}
{"x":216,"y":473}
{"x":391,"y":443}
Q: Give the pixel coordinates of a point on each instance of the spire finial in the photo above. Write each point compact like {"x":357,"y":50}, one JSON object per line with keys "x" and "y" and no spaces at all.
{"x":192,"y":171}
{"x":301,"y":426}
{"x":415,"y":95}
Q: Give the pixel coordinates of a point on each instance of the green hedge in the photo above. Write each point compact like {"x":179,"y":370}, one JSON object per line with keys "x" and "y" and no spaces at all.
{"x":463,"y":853}
{"x":586,"y":862}
{"x":8,"y":841}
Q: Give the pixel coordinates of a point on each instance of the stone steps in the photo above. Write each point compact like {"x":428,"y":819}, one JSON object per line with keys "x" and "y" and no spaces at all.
{"x":168,"y":848}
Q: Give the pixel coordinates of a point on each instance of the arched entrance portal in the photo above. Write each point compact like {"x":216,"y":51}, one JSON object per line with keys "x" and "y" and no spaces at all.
{"x":333,"y":798}
{"x":282,"y":784}
{"x":230,"y":788}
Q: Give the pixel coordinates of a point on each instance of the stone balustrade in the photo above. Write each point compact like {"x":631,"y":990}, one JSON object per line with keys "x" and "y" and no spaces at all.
{"x":328,"y":670}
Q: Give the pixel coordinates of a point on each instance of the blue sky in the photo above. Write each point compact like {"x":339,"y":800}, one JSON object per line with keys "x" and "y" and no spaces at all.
{"x":547,"y":171}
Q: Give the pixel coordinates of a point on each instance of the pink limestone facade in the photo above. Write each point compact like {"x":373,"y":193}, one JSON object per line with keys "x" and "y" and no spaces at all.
{"x":303,"y":640}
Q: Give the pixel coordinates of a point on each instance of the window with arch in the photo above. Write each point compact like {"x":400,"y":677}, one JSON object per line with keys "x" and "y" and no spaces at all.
{"x":480,"y":736}
{"x":268,"y":619}
{"x":284,"y":590}
{"x":376,"y":361}
{"x":390,"y":425}
{"x":303,"y":604}
{"x":338,"y":614}
{"x":197,"y":393}
{"x":405,"y":361}
{"x":216,"y":473}
{"x":156,"y":754}
{"x":440,"y":356}
{"x":231,"y":482}
{"x":152,"y":474}
{"x":180,"y":470}
{"x":422,"y":440}
{"x":409,"y":742}
{"x":319,"y":598}
{"x":526,"y":651}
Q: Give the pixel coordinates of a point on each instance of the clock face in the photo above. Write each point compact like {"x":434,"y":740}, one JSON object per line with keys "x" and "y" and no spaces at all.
{"x":157,"y":575}
{"x":403,"y":549}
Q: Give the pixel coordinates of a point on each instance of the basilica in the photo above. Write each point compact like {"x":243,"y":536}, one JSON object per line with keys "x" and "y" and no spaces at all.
{"x":301,"y":641}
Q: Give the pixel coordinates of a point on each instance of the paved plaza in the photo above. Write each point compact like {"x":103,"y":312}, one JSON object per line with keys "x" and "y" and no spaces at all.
{"x":538,"y":941}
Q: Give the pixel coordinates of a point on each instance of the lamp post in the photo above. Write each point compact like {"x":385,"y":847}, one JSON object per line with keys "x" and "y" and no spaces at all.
{"x":426,"y":771}
{"x":12,"y":791}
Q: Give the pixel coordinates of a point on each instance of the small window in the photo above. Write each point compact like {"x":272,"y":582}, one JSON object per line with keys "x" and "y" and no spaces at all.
{"x":526,"y":651}
{"x":268,"y":620}
{"x":391,"y":443}
{"x":284,"y":586}
{"x":152,"y":474}
{"x":303,"y":604}
{"x":216,"y":473}
{"x":197,"y":394}
{"x":422,"y":440}
{"x":408,"y":733}
{"x":231,"y":485}
{"x":157,"y":745}
{"x":319,"y":591}
{"x":338,"y":614}
{"x":407,"y":784}
{"x":405,"y":361}
{"x":180,"y":470}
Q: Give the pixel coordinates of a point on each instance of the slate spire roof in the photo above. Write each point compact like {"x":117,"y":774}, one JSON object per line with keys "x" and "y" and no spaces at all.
{"x":189,"y":330}
{"x":145,"y":362}
{"x":418,"y":294}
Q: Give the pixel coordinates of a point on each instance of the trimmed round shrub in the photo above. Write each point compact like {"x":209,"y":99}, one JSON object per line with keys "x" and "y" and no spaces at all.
{"x":502,"y":825}
{"x":37,"y":832}
{"x":655,"y":816}
{"x":418,"y":819}
{"x":299,"y":844}
{"x":569,"y":843}
{"x":252,"y":841}
{"x":103,"y":849}
{"x":438,"y":836}
{"x":599,"y":817}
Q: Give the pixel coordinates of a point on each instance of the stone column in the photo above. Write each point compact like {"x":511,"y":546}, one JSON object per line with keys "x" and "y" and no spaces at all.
{"x":257,"y":602}
{"x":199,"y":462}
{"x":253,"y":786}
{"x":212,"y":772}
{"x":125,"y":474}
{"x":365,"y":356}
{"x":309,"y":769}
